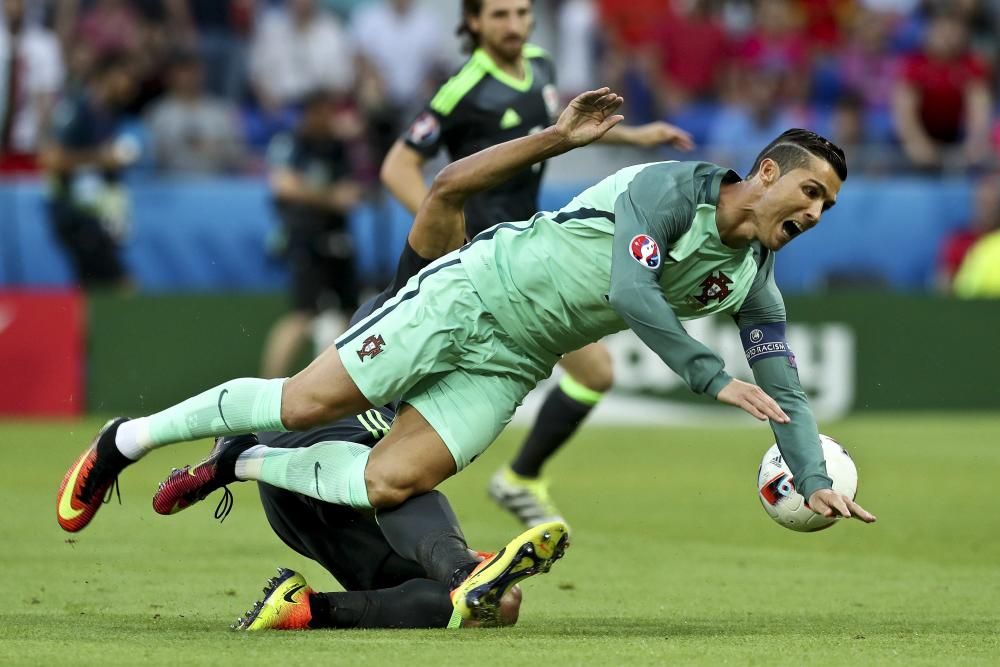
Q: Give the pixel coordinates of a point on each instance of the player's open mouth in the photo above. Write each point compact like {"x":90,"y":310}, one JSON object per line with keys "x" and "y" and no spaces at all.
{"x":791,"y":229}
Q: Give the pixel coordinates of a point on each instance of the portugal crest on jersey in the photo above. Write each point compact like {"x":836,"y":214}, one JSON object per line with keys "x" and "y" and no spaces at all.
{"x":714,"y":288}
{"x":645,"y":251}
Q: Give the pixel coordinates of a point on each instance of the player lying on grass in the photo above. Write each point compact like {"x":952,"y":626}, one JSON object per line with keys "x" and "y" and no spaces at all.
{"x":410,"y":568}
{"x":467,"y":338}
{"x":441,"y":583}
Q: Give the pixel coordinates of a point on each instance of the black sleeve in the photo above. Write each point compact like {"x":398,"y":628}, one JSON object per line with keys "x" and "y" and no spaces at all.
{"x":410,"y":264}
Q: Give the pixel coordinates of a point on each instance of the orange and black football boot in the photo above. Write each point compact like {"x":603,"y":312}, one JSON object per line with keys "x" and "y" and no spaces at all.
{"x":89,"y":481}
{"x":285,"y":605}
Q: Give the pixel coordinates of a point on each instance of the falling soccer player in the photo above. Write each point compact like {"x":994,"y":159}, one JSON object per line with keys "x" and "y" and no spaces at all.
{"x":466,"y":339}
{"x":506,"y":90}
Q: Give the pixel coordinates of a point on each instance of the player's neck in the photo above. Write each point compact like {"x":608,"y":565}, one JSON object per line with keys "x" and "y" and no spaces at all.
{"x":513,"y":66}
{"x":734,"y":216}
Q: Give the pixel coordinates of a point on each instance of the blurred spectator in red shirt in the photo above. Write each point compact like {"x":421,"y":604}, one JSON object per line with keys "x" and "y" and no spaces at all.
{"x":942,"y":98}
{"x":824,"y":21}
{"x":777,"y":43}
{"x":31,"y":73}
{"x":865,"y":63}
{"x":690,"y":48}
{"x":985,"y":219}
{"x":627,"y":24}
{"x":109,"y":27}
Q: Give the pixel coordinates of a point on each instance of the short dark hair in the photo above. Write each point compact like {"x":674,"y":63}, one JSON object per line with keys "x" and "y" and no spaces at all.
{"x":470,"y":38}
{"x":793,"y":148}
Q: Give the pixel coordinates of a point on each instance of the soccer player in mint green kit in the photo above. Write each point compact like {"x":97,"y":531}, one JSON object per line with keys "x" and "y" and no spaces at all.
{"x":506,"y":90}
{"x":466,"y":339}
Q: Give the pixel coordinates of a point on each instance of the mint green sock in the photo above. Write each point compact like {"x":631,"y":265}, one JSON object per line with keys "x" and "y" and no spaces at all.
{"x":332,"y":471}
{"x":237,"y":406}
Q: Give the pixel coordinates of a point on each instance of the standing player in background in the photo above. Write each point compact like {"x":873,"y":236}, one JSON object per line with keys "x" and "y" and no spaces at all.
{"x":313,"y":188}
{"x":88,"y":204}
{"x":506,"y":90}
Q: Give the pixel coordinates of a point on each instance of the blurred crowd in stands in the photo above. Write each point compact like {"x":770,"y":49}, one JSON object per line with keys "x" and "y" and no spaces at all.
{"x":206,"y":86}
{"x":903,"y":84}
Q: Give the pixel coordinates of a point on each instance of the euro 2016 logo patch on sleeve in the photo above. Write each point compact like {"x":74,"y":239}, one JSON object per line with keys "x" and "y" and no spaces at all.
{"x":645,"y":251}
{"x":425,"y":129}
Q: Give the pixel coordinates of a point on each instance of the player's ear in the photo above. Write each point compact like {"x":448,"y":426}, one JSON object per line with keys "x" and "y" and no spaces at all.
{"x":769,"y":171}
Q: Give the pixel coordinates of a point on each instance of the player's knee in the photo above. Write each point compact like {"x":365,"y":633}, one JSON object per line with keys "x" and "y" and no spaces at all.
{"x":383,"y":494}
{"x":599,"y":375}
{"x":386,"y":487}
{"x":389,"y":486}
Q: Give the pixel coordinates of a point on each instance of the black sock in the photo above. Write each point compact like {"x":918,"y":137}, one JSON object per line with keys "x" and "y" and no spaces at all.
{"x":425,"y":529}
{"x":556,"y":422}
{"x":234,"y":446}
{"x":419,"y":603}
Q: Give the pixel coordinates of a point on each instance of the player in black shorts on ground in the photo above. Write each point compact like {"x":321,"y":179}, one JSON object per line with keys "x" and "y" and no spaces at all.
{"x":507,"y":90}
{"x":412,"y":568}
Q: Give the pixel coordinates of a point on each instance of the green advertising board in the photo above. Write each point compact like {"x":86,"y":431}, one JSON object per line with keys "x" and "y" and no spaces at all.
{"x":854,"y":351}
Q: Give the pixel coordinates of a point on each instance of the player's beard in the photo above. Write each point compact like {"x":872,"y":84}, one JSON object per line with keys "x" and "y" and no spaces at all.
{"x":510,"y":47}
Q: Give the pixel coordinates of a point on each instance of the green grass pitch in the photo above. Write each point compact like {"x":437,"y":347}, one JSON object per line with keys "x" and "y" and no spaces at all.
{"x":672,"y":560}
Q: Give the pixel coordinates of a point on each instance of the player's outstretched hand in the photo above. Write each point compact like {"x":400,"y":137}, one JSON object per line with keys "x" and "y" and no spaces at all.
{"x":829,"y":503}
{"x":589,"y":116}
{"x":754,"y":400}
{"x":659,"y":134}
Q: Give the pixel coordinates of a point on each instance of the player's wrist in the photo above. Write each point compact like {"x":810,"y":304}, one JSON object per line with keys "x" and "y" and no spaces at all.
{"x":718,"y":383}
{"x":809,"y":486}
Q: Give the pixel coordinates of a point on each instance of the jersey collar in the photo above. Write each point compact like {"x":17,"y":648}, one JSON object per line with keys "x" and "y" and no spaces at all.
{"x":704,"y":231}
{"x":520,"y":85}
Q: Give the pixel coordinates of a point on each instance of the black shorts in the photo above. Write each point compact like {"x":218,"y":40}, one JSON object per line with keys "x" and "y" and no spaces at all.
{"x":96,"y":257}
{"x":345,"y":541}
{"x":320,"y":255}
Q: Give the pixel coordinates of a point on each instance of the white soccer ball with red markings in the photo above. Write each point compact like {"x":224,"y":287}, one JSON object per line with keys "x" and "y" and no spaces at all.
{"x":776,"y":488}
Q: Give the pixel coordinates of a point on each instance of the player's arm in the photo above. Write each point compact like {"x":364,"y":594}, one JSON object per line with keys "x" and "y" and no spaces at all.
{"x":440,"y":223}
{"x":340,"y":196}
{"x":761,"y":320}
{"x":59,"y":158}
{"x":402,"y":174}
{"x":650,"y":135}
{"x":69,"y":146}
{"x":643,"y":218}
{"x":584,"y":120}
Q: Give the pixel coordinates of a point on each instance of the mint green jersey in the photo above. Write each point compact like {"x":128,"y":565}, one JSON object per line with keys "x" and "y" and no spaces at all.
{"x":549,"y":280}
{"x":641,"y":250}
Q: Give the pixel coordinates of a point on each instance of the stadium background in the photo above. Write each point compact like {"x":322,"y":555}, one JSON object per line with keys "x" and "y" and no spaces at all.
{"x":896,"y":363}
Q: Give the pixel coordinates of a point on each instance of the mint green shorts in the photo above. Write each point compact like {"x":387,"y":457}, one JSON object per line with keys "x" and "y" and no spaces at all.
{"x":435,"y":345}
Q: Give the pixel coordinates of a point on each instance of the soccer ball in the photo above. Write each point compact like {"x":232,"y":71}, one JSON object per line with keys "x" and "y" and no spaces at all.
{"x":786,"y":505}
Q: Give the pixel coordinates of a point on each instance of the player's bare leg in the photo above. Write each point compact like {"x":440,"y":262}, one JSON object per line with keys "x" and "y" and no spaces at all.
{"x":519,"y":488}
{"x":412,"y":459}
{"x":321,"y":392}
